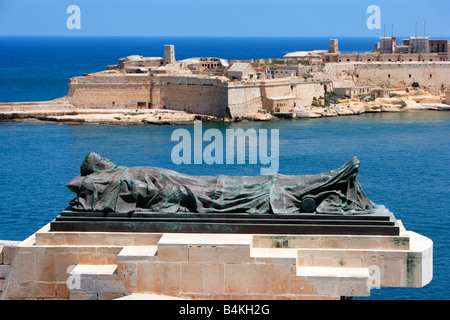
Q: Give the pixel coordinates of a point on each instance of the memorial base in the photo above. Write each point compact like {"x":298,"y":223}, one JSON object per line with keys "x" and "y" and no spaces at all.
{"x":380,"y":222}
{"x":112,"y":265}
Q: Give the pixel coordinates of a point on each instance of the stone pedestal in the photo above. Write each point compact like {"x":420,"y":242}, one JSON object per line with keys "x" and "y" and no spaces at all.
{"x":99,"y":265}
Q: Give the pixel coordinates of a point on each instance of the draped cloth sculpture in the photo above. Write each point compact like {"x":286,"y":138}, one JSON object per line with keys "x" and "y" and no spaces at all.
{"x":103,"y":186}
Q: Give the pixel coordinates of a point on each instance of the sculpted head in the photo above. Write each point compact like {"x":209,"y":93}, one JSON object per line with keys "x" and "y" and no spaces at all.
{"x":94,"y":162}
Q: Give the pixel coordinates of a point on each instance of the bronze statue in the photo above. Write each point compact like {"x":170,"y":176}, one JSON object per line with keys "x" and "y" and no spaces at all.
{"x":105,"y":187}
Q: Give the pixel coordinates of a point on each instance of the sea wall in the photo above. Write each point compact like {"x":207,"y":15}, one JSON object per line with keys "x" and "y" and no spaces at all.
{"x":307,"y":91}
{"x":215,"y":96}
{"x":110,"y":91}
{"x":219,"y":97}
{"x":433,"y":75}
{"x":191,"y":94}
{"x":244,"y":99}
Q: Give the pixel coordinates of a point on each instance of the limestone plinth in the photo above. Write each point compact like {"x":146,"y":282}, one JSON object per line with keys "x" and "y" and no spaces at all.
{"x":97,"y":265}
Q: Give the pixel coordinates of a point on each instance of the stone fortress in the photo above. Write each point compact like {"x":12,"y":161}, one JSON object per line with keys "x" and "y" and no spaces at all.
{"x":304,"y":84}
{"x":234,"y":89}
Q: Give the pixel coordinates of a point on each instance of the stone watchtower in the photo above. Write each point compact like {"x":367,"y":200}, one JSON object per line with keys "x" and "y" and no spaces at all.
{"x":333,"y":46}
{"x":169,"y":54}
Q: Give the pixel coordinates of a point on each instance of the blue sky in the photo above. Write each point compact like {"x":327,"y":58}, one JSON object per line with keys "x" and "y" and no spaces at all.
{"x":223,"y":17}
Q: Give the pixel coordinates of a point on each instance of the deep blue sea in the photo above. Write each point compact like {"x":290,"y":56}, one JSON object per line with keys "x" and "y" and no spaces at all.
{"x":404,"y":156}
{"x":38,"y":68}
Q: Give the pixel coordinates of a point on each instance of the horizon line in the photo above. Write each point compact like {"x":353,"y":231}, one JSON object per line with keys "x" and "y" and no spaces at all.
{"x":203,"y":36}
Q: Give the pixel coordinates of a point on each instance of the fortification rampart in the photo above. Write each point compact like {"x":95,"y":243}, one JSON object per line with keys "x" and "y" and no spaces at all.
{"x":191,"y":94}
{"x":244,"y":99}
{"x":433,"y":76}
{"x":217,"y":96}
{"x":110,"y":91}
{"x":286,"y":94}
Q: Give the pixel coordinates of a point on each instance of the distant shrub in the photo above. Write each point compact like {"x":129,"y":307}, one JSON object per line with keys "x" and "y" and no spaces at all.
{"x":415,"y":85}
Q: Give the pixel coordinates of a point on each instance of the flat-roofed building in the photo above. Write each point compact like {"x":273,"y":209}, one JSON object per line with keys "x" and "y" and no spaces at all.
{"x":352,"y":91}
{"x":241,"y":71}
{"x":379,"y":93}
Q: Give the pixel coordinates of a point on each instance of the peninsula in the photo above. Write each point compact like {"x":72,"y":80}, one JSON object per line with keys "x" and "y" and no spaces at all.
{"x":414,"y":74}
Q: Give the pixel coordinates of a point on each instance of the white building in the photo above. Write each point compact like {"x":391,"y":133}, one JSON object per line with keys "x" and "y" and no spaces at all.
{"x":284,"y":73}
{"x":241,"y":71}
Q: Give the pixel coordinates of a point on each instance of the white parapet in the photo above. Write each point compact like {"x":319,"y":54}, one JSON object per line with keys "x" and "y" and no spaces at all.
{"x":215,"y":266}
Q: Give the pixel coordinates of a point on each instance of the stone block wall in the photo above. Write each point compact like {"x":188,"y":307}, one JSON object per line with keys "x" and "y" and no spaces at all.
{"x":218,"y":97}
{"x":431,"y":75}
{"x":306,"y":92}
{"x":91,"y":265}
{"x":110,"y":91}
{"x":244,"y":99}
{"x":190,"y":94}
{"x":297,"y":92}
{"x":7,"y":253}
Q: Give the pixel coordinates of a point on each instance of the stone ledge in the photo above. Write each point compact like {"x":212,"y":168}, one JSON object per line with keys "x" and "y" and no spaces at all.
{"x":332,"y":273}
{"x":90,"y":269}
{"x":331,"y":242}
{"x":51,"y":238}
{"x":337,"y":281}
{"x":137,"y":253}
{"x":148,"y":296}
{"x":205,"y":239}
{"x":274,"y":256}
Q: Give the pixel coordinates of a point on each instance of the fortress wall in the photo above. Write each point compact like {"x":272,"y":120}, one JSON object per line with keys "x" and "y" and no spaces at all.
{"x":432,"y":75}
{"x":305,"y":92}
{"x":217,"y":97}
{"x":341,"y":74}
{"x":271,"y":89}
{"x":300,"y":91}
{"x":214,"y":97}
{"x":244,"y":99}
{"x":272,"y":94}
{"x":190,"y":94}
{"x":109,"y":92}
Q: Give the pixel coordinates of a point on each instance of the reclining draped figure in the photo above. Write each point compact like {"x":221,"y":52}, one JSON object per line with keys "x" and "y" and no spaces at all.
{"x":105,"y":187}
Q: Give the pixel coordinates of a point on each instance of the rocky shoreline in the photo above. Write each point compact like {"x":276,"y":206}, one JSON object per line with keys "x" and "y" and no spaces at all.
{"x":60,"y":111}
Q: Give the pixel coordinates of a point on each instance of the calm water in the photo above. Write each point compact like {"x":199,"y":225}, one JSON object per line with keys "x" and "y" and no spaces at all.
{"x":404,"y":165}
{"x":404,"y":156}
